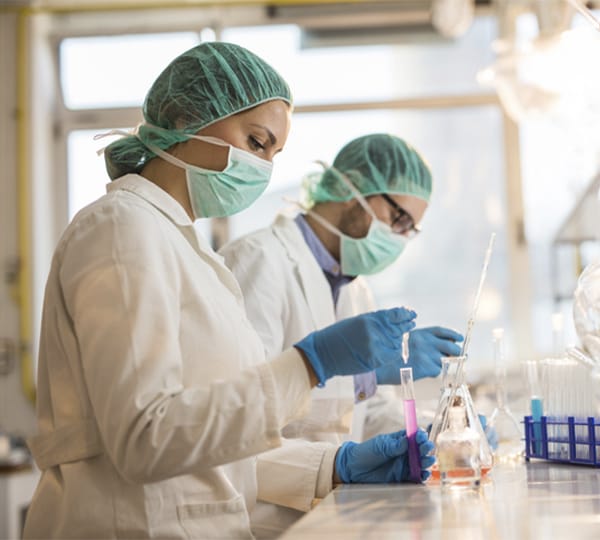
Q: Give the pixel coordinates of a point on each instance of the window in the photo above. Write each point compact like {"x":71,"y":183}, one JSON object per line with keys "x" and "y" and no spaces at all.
{"x":428,"y":66}
{"x":561,"y":158}
{"x":116,"y":71}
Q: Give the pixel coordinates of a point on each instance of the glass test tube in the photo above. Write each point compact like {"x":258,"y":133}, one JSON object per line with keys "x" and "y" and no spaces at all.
{"x":410,"y":420}
{"x":536,"y":401}
{"x":558,"y":335}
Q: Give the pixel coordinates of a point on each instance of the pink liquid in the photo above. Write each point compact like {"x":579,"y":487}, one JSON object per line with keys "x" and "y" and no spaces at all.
{"x":410,"y":416}
{"x":414,"y":458}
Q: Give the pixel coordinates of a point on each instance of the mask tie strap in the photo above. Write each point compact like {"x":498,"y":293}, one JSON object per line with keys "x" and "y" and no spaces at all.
{"x":316,"y":216}
{"x":159,"y":152}
{"x":357,"y":194}
{"x":112,"y":132}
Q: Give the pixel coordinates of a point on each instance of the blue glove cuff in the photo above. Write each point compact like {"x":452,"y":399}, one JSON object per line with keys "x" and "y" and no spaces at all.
{"x":341,"y":462}
{"x":307,"y":346}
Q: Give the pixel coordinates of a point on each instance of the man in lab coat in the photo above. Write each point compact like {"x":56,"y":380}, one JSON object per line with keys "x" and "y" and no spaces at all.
{"x":303,"y":273}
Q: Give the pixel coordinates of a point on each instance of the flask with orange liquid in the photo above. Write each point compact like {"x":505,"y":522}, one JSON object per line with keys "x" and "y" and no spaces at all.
{"x":458,"y":452}
{"x":455,"y":392}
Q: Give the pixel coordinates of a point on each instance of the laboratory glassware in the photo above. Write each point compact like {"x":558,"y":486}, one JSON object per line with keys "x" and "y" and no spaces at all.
{"x":458,"y":452}
{"x":580,"y":6}
{"x":410,"y":421}
{"x":471,"y":321}
{"x":558,"y":331}
{"x":568,"y":388}
{"x":456,"y":392}
{"x":502,"y":421}
{"x":536,"y":401}
{"x":560,"y":392}
{"x":567,"y":428}
{"x":591,"y":371}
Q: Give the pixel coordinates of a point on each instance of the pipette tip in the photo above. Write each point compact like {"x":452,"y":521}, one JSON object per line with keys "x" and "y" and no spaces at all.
{"x":405,"y":351}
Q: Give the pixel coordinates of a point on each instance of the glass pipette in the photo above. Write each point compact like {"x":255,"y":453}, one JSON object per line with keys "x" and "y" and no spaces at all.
{"x":410,"y":414}
{"x":587,"y":14}
{"x":459,"y":371}
{"x":471,"y":321}
{"x":405,"y":350}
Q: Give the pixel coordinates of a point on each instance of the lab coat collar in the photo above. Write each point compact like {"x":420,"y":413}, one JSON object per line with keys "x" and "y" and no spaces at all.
{"x":308,"y":272}
{"x":155,"y":195}
{"x":166,"y":204}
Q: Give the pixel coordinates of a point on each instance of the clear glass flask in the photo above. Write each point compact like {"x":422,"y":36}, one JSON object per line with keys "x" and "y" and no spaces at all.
{"x":502,"y":426}
{"x":458,"y":449}
{"x":456,"y":392}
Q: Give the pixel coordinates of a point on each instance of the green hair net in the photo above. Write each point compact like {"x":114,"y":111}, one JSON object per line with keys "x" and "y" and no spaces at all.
{"x":377,"y":163}
{"x":201,"y":86}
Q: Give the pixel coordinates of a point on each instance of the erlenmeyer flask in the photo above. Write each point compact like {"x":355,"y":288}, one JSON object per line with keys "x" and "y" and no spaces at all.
{"x":502,"y":423}
{"x":455,"y":393}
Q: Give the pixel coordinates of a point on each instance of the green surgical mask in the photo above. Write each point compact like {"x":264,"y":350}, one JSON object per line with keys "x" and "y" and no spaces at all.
{"x":226,"y":192}
{"x":370,"y":254}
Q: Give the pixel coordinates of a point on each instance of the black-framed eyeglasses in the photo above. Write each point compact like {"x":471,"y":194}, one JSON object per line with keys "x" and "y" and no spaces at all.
{"x":402,"y":222}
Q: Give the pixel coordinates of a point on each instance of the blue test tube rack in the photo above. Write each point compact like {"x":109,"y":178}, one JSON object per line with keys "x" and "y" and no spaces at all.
{"x":563,"y":440}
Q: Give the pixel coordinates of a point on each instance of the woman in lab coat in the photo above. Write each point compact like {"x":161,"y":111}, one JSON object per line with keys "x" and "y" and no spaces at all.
{"x":153,"y":393}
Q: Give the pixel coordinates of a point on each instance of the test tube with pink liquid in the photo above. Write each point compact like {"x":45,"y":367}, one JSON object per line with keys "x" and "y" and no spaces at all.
{"x":410,"y":414}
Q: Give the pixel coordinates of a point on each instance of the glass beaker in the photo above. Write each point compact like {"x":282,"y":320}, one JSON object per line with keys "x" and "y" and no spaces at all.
{"x":455,"y":392}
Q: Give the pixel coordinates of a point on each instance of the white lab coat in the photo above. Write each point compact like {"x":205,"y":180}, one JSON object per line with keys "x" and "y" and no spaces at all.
{"x":287,"y":297}
{"x":153,"y":393}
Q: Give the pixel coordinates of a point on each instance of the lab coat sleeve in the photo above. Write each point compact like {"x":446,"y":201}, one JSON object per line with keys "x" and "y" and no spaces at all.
{"x":296,"y":474}
{"x":263,"y":285}
{"x":365,"y":386}
{"x":123,"y":299}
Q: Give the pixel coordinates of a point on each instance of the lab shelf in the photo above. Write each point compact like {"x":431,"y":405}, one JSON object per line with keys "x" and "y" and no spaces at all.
{"x":563,"y":439}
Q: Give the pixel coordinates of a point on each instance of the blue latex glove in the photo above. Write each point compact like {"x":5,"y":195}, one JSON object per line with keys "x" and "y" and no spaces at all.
{"x":426,"y":348}
{"x":357,"y":344}
{"x":490,"y":432}
{"x":382,"y":459}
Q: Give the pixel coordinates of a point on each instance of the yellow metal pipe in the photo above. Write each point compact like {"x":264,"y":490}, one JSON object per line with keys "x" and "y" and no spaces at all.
{"x":24,"y":218}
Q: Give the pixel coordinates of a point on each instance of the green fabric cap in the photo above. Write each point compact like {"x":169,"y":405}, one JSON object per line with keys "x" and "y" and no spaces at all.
{"x":201,"y":86}
{"x":376,"y":163}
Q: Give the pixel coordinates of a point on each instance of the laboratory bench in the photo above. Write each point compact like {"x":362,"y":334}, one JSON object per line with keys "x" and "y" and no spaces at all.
{"x":529,"y":500}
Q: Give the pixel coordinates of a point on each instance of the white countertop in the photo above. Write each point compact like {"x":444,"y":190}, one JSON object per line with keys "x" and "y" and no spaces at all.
{"x":535,"y":500}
